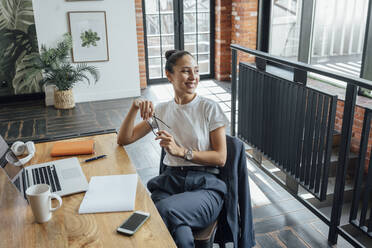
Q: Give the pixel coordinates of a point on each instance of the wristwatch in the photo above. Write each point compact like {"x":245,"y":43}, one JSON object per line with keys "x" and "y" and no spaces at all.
{"x":188,"y":155}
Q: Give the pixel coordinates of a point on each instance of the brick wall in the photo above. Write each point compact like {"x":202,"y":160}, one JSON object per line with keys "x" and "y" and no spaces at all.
{"x":357,"y":129}
{"x":141,"y":43}
{"x":222,"y":66}
{"x":236,"y":22}
{"x":244,"y":26}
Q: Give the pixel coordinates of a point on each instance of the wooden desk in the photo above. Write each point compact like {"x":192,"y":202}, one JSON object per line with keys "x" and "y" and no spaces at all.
{"x":69,"y":229}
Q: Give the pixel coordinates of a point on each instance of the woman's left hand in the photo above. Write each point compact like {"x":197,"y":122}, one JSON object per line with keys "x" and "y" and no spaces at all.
{"x":168,"y":143}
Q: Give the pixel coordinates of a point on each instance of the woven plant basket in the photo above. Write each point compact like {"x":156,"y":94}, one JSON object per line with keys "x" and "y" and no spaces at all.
{"x":64,"y":99}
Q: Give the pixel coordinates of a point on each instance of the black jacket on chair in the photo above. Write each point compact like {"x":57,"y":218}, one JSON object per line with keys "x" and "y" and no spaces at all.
{"x":235,"y":223}
{"x":236,"y":220}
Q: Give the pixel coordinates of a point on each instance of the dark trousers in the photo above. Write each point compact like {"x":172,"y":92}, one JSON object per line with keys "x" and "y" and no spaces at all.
{"x":187,"y":200}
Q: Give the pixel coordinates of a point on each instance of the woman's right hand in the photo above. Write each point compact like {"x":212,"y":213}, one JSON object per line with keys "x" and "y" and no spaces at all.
{"x":146,"y":108}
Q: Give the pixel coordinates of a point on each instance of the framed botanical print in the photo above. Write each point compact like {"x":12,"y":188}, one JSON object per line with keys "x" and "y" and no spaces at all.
{"x":88,"y":30}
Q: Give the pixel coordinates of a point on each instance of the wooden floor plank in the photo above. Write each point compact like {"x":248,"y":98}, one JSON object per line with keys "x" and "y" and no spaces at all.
{"x":22,"y":115}
{"x":290,"y":240}
{"x":14,"y":130}
{"x":311,"y":236}
{"x":4,"y":129}
{"x":289,"y":219}
{"x":323,"y":230}
{"x":103,"y":119}
{"x":267,"y":241}
{"x":277,"y":208}
{"x":40,"y":127}
{"x":86,"y":108}
{"x":27,"y":128}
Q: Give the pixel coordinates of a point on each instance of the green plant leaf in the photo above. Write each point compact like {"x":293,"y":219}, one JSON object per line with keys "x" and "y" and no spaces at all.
{"x":13,"y":45}
{"x":16,"y":14}
{"x":28,"y":75}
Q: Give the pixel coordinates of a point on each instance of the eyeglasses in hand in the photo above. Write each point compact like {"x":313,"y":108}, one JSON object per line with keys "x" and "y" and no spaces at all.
{"x":155,"y":121}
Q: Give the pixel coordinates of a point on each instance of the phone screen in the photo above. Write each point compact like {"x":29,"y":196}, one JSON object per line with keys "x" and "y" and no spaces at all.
{"x":134,"y":221}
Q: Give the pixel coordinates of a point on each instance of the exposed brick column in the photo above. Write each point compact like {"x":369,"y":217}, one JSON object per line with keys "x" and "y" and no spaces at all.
{"x":141,"y":43}
{"x":222,"y":62}
{"x":236,"y":22}
{"x":244,"y":26}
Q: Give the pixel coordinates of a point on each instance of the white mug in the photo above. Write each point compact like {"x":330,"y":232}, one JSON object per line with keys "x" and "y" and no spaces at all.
{"x":40,"y":199}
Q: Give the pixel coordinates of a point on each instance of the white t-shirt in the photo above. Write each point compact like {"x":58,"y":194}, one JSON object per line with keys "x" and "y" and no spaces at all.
{"x":190,"y":125}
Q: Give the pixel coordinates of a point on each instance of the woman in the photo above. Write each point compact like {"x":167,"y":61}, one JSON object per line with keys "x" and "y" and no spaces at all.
{"x":191,"y":129}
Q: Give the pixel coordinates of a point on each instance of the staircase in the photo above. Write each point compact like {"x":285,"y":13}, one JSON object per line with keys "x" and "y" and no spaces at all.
{"x":353,"y":161}
{"x":349,"y":183}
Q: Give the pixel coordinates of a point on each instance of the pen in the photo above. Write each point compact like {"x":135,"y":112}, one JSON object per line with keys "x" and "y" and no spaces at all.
{"x":95,"y":158}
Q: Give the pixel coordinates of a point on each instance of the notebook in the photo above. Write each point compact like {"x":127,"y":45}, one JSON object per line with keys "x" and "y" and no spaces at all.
{"x":64,"y":148}
{"x":110,"y":194}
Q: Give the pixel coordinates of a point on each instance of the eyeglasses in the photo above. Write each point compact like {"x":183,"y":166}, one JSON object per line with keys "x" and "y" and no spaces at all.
{"x":155,"y":120}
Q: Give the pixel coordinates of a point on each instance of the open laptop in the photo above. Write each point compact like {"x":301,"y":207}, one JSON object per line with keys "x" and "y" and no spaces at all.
{"x":64,"y":176}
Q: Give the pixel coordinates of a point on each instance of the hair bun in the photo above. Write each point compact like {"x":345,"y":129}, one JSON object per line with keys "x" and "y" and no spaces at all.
{"x":170,"y":53}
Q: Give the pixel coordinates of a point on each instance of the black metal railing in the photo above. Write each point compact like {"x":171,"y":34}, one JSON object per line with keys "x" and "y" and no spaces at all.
{"x":305,"y":154}
{"x":290,"y":124}
{"x":363,"y":183}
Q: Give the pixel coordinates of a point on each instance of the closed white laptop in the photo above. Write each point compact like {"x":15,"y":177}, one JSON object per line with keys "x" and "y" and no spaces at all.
{"x":64,"y":176}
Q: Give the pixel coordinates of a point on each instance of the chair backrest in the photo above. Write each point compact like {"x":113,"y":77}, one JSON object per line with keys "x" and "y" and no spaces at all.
{"x":231,"y":144}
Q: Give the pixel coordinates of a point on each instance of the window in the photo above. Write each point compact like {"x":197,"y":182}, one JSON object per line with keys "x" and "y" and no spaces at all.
{"x":178,"y":24}
{"x":338,"y":35}
{"x":285,"y":28}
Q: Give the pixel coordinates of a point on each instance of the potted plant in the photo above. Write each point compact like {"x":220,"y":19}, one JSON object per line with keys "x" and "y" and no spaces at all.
{"x":57,"y":70}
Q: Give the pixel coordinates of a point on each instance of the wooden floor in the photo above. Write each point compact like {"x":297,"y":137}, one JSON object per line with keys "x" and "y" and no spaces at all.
{"x":279,"y":219}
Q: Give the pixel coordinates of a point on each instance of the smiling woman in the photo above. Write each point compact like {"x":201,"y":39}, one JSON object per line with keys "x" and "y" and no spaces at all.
{"x":195,"y":144}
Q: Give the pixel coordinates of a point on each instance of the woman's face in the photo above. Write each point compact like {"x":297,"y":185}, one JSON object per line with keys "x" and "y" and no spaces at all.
{"x":185,"y":76}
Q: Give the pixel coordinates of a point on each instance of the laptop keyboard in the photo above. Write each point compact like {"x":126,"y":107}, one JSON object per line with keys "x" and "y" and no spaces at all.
{"x":47,"y":175}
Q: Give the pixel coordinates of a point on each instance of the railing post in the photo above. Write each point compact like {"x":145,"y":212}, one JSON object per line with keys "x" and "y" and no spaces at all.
{"x":343,"y":160}
{"x":233,"y":90}
{"x":300,"y":76}
{"x":261,"y":63}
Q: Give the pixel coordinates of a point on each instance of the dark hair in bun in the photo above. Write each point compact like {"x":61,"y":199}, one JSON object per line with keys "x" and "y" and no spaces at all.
{"x":172,"y":57}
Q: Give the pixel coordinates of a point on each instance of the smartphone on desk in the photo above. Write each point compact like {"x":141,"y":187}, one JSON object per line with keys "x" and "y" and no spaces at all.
{"x":131,"y":225}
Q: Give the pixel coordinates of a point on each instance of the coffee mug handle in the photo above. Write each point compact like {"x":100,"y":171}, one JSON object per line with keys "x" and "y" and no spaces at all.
{"x":55,"y":196}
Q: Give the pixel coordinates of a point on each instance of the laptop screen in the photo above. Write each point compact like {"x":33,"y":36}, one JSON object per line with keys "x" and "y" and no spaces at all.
{"x":7,"y":157}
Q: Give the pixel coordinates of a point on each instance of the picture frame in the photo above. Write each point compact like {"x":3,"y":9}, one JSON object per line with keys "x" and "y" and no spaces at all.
{"x":88,"y":30}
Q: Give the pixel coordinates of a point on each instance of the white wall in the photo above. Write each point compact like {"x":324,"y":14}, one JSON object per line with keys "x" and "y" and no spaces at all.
{"x":119,"y":75}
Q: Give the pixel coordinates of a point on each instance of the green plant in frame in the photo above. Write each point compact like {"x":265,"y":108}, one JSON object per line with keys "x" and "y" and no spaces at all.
{"x":89,"y":38}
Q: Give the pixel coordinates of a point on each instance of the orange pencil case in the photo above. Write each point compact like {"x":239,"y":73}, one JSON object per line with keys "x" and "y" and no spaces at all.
{"x":72,"y":148}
